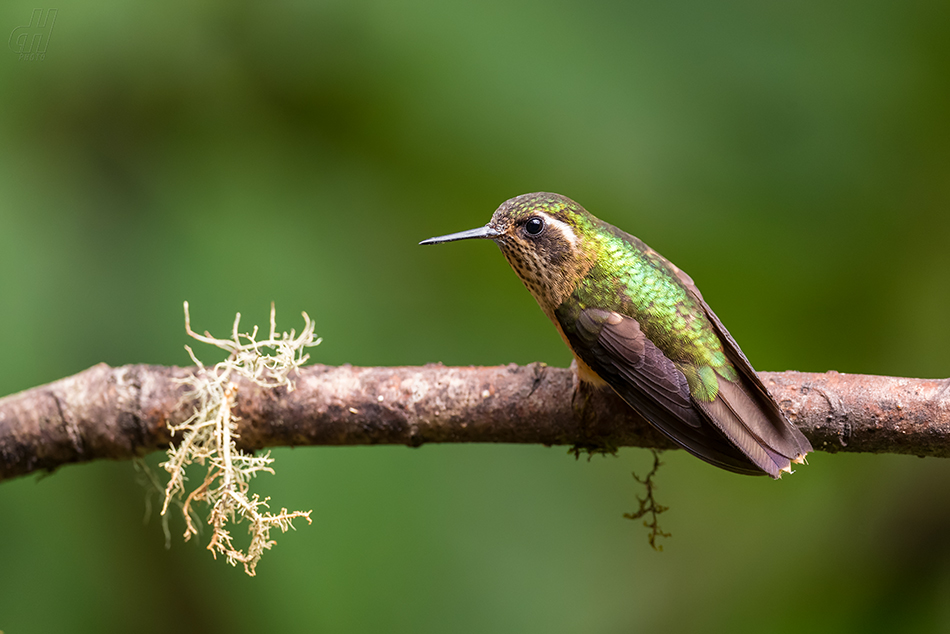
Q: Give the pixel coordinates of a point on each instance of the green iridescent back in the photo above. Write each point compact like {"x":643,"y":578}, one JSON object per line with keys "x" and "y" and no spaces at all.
{"x":634,"y":280}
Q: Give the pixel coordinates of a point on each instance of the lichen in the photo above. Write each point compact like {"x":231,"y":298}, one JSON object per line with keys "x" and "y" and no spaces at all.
{"x":648,"y":505}
{"x":207,"y":438}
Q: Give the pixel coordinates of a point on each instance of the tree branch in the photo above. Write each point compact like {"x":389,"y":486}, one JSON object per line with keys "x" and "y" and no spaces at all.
{"x":123,"y":412}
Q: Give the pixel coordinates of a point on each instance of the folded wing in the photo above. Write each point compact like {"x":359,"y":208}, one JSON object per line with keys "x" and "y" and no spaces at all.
{"x":615,"y":347}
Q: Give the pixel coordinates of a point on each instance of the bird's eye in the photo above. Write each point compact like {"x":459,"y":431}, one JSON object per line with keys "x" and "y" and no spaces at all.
{"x":534,"y":226}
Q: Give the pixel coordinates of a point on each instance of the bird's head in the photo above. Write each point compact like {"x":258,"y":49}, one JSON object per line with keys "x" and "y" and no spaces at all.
{"x":543,"y":237}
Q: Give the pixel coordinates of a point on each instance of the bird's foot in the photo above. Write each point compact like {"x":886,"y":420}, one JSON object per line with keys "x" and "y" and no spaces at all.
{"x":589,"y":442}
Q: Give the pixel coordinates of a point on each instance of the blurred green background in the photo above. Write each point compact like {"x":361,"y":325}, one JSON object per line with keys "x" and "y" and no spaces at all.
{"x":793,"y":158}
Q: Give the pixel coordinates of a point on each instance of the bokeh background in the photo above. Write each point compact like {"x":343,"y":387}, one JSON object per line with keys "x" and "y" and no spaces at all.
{"x":794,"y":158}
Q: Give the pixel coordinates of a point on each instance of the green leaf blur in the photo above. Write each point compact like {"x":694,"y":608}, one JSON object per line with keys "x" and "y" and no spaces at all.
{"x":794,"y":158}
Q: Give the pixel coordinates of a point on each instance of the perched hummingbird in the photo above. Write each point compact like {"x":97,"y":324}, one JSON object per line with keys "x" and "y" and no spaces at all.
{"x":637,"y":323}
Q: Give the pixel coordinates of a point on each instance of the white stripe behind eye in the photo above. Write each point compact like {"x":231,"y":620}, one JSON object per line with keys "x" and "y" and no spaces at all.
{"x":565,"y":229}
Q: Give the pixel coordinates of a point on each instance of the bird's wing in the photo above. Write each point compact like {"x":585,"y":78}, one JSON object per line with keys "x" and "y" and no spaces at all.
{"x":748,"y":399}
{"x":615,"y":347}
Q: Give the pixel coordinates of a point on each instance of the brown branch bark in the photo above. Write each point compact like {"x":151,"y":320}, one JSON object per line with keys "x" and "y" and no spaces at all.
{"x":123,"y":412}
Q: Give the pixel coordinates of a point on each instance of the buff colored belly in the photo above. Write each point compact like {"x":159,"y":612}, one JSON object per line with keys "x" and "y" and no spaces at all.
{"x":584,"y":371}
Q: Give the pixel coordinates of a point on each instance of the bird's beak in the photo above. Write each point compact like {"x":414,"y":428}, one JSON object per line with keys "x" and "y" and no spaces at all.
{"x":487,"y":231}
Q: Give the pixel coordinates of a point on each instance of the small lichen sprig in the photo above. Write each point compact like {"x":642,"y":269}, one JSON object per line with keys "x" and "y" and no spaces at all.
{"x":649,"y":506}
{"x":208,"y":438}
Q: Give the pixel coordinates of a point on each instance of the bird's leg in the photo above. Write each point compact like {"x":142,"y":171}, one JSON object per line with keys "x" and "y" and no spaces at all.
{"x":583,"y":413}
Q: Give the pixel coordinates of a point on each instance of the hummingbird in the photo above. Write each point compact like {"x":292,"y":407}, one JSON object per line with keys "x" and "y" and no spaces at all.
{"x":637,"y":324}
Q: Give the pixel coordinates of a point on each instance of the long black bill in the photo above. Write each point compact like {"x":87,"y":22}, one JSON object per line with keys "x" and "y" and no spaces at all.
{"x":482,"y":232}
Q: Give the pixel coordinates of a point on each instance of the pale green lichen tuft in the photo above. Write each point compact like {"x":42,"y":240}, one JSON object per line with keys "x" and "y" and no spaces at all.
{"x":208,"y":439}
